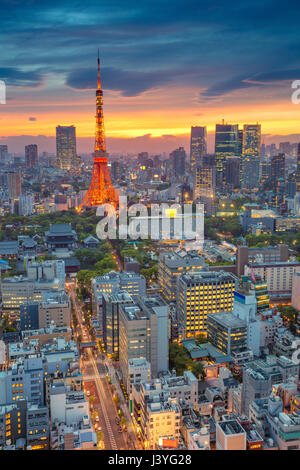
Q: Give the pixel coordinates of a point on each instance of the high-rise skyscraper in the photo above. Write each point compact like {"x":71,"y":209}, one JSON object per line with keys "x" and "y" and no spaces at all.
{"x":265,"y":171}
{"x":227,"y":144}
{"x":273,"y":150}
{"x":142,"y":158}
{"x":115,"y":170}
{"x":66,"y":147}
{"x":277,"y":169}
{"x":157,"y":161}
{"x":14,"y":184}
{"x":31,"y":156}
{"x":204,"y":187}
{"x":232,"y":172}
{"x":240,"y":143}
{"x":298,"y":171}
{"x":198,"y":145}
{"x":3,"y":152}
{"x":250,"y":156}
{"x":177,"y":158}
{"x":285,"y":147}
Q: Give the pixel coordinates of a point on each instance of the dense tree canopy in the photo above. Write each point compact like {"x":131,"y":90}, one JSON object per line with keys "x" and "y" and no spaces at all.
{"x":180,"y":360}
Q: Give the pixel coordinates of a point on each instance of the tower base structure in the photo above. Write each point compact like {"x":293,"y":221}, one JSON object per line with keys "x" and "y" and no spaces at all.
{"x":101,"y":189}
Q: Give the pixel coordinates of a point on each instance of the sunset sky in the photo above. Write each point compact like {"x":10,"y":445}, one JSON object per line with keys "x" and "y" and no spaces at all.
{"x":166,"y":65}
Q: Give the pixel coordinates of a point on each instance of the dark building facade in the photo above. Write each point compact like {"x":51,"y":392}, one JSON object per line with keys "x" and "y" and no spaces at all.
{"x":31,"y":156}
{"x":29,"y":317}
{"x":277,"y":168}
{"x":177,"y":158}
{"x":227,"y":144}
{"x":232,"y":172}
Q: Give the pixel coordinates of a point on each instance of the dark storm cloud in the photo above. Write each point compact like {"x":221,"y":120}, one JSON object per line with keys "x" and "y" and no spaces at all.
{"x":224,"y":87}
{"x":16,"y":77}
{"x":257,"y":80}
{"x":130,"y":83}
{"x":277,"y":75}
{"x":146,"y":44}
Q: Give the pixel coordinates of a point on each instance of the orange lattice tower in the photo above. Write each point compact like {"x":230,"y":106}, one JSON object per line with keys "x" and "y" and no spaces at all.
{"x":101,"y":190}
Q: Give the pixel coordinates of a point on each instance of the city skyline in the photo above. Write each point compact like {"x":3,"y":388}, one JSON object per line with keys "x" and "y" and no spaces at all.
{"x":149,"y":228}
{"x":130,"y":146}
{"x":177,"y":74}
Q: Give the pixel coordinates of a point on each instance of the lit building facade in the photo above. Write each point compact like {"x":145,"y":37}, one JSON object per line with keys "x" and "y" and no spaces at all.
{"x":200,"y":294}
{"x":198,"y":147}
{"x":66,"y":147}
{"x":160,"y":416}
{"x":278,"y":276}
{"x":250,"y":156}
{"x":227,"y":144}
{"x":226,"y":332}
{"x":171,"y":266}
{"x":204,"y":187}
{"x":265,"y":171}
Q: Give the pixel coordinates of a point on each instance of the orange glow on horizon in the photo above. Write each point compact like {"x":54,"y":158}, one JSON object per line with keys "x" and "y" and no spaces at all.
{"x":160,"y":112}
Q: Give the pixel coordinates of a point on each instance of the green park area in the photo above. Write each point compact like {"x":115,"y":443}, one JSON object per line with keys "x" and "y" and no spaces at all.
{"x":180,"y":360}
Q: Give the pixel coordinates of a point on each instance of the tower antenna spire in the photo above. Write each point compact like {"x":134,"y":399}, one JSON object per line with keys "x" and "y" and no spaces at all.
{"x":99,"y":81}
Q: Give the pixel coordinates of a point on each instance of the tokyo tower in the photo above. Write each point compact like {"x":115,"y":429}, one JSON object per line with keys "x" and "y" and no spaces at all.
{"x":101,"y":190}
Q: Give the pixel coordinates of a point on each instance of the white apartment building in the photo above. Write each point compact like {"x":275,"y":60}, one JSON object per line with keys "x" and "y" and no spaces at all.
{"x":139,"y":370}
{"x":278,"y":275}
{"x":68,"y":407}
{"x":48,"y":270}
